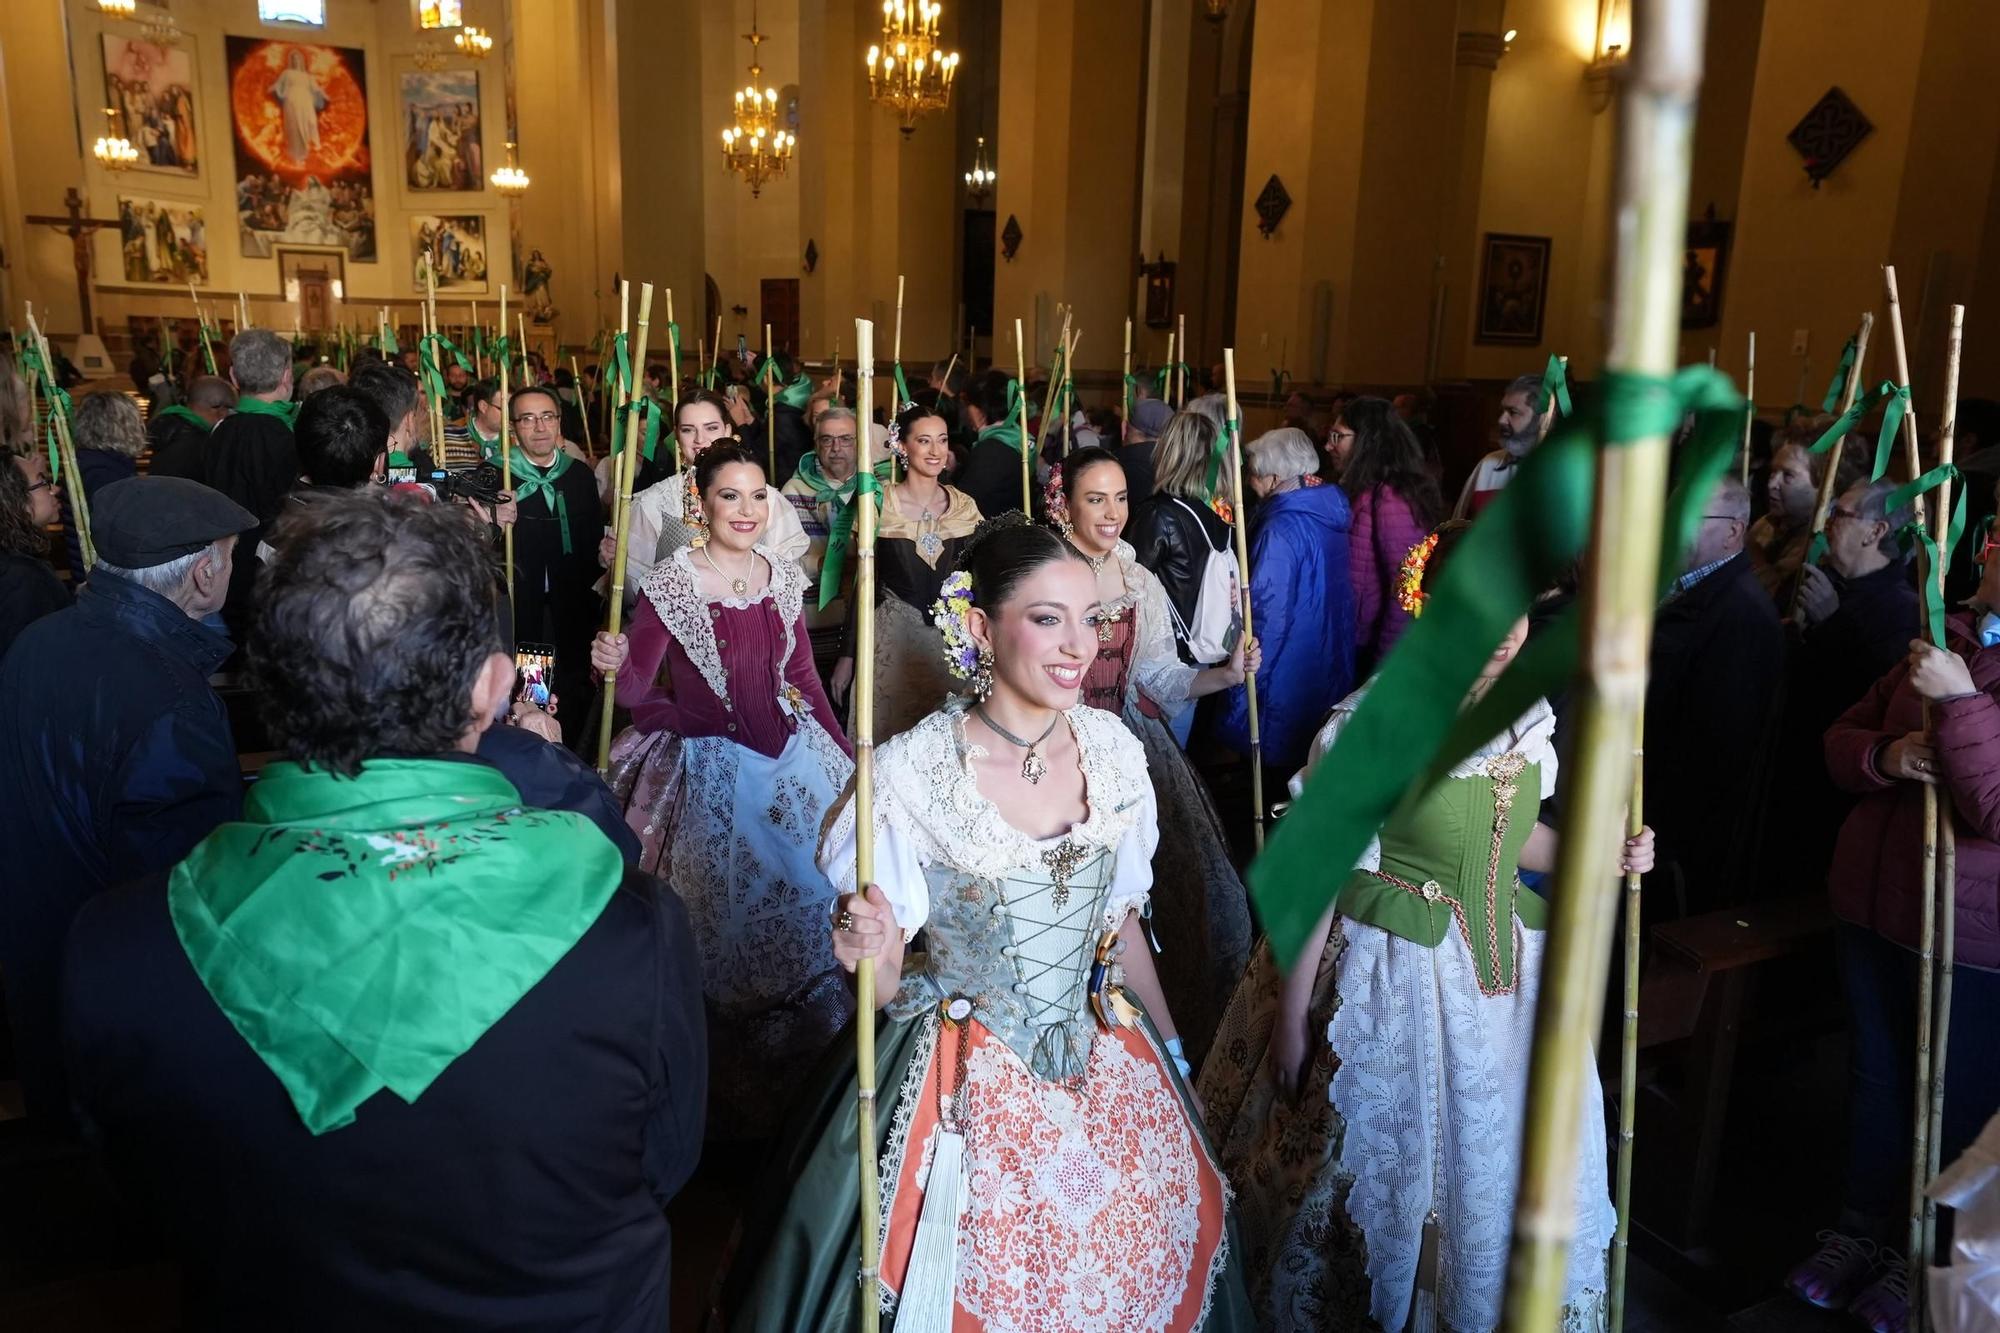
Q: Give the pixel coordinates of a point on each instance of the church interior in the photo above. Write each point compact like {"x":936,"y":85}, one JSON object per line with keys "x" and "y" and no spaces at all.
{"x":1405,"y":199}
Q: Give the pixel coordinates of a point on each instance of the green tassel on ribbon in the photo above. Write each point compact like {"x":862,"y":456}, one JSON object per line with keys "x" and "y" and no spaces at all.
{"x":1837,"y":387}
{"x":1555,"y":387}
{"x":1131,"y":394}
{"x":1224,"y":438}
{"x":840,"y":533}
{"x":1412,"y":726}
{"x":1894,"y":399}
{"x":1917,"y":534}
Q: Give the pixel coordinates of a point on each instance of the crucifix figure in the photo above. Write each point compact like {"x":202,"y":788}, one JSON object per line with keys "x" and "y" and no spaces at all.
{"x":78,"y":228}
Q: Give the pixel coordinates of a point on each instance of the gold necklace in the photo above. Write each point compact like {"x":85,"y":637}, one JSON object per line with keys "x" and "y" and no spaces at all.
{"x":737,"y":587}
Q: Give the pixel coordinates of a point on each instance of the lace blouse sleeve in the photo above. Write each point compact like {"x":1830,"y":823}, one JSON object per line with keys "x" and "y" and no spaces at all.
{"x":898,"y":871}
{"x":1132,"y":862}
{"x":1157,"y":669}
{"x":1371,"y":856}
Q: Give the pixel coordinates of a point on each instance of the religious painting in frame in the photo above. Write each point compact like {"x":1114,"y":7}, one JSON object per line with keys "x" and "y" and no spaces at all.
{"x":163,"y":241}
{"x":1704,"y":269}
{"x":150,"y":89}
{"x":456,"y":243}
{"x":300,"y":115}
{"x":321,"y":276}
{"x":1513,"y":289}
{"x":442,"y":152}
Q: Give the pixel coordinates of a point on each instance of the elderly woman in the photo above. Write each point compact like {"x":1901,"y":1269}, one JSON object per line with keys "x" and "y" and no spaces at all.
{"x":1881,"y":751}
{"x":1777,"y":542}
{"x":1302,"y":610}
{"x":109,"y":439}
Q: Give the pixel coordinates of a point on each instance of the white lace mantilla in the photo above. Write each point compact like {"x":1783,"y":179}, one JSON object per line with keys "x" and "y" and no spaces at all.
{"x":670,"y":587}
{"x":1157,"y":670}
{"x":927,"y":799}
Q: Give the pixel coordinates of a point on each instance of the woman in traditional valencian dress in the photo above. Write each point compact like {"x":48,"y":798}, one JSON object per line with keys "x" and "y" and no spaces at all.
{"x":924,"y":523}
{"x":1200,"y":912}
{"x":1042,"y":1162}
{"x":731,"y":761}
{"x":1377,"y":1192}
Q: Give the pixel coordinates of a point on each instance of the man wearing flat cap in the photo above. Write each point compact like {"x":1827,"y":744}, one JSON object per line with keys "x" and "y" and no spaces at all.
{"x":115,"y":754}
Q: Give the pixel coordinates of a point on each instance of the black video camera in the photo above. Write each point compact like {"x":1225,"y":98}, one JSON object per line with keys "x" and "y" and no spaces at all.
{"x":480,"y":482}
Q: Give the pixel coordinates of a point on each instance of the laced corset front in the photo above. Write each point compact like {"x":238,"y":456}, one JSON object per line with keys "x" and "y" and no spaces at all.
{"x":1104,"y":679}
{"x":1020,"y":948}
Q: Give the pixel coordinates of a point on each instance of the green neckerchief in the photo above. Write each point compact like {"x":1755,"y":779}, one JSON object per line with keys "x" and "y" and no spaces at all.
{"x":530,"y":481}
{"x":824,"y":491}
{"x":257,"y":407}
{"x":489,"y":450}
{"x":187,"y":414}
{"x":797,"y":392}
{"x":840,"y":532}
{"x":362,"y":933}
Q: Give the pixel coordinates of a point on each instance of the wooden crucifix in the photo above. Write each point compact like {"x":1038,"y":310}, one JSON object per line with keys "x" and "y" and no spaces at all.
{"x":78,"y":228}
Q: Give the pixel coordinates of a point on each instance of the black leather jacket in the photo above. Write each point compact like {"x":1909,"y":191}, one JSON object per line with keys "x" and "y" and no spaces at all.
{"x":1173,"y":538}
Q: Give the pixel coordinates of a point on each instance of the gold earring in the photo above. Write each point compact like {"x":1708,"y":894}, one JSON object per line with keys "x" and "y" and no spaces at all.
{"x":982,"y":678}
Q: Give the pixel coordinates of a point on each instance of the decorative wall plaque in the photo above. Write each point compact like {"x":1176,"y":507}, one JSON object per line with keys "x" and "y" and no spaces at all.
{"x":1829,"y":132}
{"x":1273,"y":202}
{"x":1010,"y":238}
{"x":812,"y":255}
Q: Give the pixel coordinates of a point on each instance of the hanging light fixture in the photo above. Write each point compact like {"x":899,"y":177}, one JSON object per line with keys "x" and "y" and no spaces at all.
{"x":1215,"y":10}
{"x":119,"y":9}
{"x":908,"y":72}
{"x":753,"y":146}
{"x":473,"y":43}
{"x":112,"y":150}
{"x":430,"y":57}
{"x":979,"y":181}
{"x":510,"y":180}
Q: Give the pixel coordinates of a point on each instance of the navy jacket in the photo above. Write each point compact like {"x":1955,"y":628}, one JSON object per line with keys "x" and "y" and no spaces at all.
{"x":1302,"y":612}
{"x":526,"y":1188}
{"x":550,"y":777}
{"x":118,"y":757}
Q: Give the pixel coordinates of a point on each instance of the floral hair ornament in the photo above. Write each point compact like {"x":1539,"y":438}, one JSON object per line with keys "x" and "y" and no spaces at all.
{"x":1410,"y":594}
{"x":948,"y":613}
{"x":1056,"y":505}
{"x":895,"y":441}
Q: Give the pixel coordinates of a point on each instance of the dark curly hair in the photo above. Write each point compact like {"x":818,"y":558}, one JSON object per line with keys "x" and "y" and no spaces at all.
{"x":18,"y":532}
{"x":373,"y":619}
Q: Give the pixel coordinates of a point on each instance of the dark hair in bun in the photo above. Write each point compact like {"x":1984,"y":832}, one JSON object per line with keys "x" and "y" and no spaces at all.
{"x":719,"y":456}
{"x":1081,"y":461}
{"x":1004,"y":550}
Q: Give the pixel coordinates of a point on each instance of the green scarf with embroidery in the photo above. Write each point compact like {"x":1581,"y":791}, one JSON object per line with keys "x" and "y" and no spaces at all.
{"x":362,"y":933}
{"x":530,"y":481}
{"x":257,"y":407}
{"x":186,"y":414}
{"x":824,"y":491}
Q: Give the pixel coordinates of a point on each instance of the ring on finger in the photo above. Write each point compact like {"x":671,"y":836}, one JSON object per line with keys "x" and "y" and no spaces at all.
{"x":844,"y":921}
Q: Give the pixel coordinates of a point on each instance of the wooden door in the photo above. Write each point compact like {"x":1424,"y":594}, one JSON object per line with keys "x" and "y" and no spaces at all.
{"x":780,"y":301}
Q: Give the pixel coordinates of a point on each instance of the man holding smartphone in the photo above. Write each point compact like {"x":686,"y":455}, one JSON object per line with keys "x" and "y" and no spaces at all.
{"x":555,"y":551}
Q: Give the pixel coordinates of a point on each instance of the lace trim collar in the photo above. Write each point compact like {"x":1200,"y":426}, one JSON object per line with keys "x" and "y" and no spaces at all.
{"x":928,"y":794}
{"x":670,"y":587}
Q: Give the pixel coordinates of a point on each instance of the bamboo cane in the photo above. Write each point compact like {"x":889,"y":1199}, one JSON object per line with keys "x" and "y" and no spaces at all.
{"x":242,"y":312}
{"x":1856,"y":375}
{"x":583,"y":409}
{"x":1027,"y":466}
{"x":673,"y":382}
{"x":1749,"y":392}
{"x":506,"y":454}
{"x":864,"y":828}
{"x":771,"y":404}
{"x":1049,"y":394}
{"x":1628,"y":1039}
{"x":472,"y":335}
{"x":1656,"y":132}
{"x":79,"y":503}
{"x":1125,"y":384}
{"x":1947,"y":833}
{"x":436,"y":402}
{"x":622,"y":519}
{"x":1167,"y":374}
{"x":521,"y":328}
{"x":201,"y":330}
{"x":1238,"y":517}
{"x":1180,"y":372}
{"x":896,"y":345}
{"x":1549,"y":413}
{"x":944,"y":388}
{"x":1927,"y":932}
{"x":715,"y":349}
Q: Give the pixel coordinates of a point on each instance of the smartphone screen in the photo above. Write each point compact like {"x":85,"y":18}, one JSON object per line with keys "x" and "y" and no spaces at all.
{"x":534,"y":674}
{"x":398,"y":475}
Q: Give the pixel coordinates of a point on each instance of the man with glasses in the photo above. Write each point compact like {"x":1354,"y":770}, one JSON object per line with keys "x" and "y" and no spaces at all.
{"x":823,"y":485}
{"x":555,"y":551}
{"x":1718,"y":663}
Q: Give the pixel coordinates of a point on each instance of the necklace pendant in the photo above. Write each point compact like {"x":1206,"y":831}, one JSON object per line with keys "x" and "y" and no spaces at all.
{"x":930,"y":546}
{"x":1104,"y":631}
{"x":739,"y":587}
{"x":1033,"y":769}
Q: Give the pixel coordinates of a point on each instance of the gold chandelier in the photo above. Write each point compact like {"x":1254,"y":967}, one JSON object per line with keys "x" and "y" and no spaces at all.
{"x":120,"y":9}
{"x":909,"y":73}
{"x":473,"y":43}
{"x":753,"y":146}
{"x":510,"y":180}
{"x":112,"y":150}
{"x":979,"y":181}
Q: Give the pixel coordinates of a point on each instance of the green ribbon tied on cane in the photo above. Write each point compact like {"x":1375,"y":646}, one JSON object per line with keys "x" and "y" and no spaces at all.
{"x":1166,"y":375}
{"x":1555,"y":387}
{"x":385,"y":342}
{"x":621,"y":365}
{"x":797,"y":392}
{"x":1412,"y":727}
{"x":1225,"y":439}
{"x":1916,"y":535}
{"x":430,"y":349}
{"x":649,"y":427}
{"x":1131,"y":394}
{"x":840,"y":534}
{"x":1016,"y":418}
{"x":34,"y":367}
{"x":674,"y":350}
{"x":1837,"y":386}
{"x":902,"y":385}
{"x":1894,"y":400}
